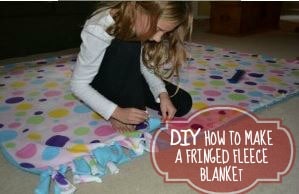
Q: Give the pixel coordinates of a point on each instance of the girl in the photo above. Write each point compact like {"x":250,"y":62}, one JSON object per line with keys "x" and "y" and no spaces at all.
{"x":119,"y":69}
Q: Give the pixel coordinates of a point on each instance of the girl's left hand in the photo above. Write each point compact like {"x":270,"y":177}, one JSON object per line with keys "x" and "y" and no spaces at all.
{"x":166,"y":106}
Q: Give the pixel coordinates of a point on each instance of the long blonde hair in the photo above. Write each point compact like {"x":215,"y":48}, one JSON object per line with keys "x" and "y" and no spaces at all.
{"x":171,"y":49}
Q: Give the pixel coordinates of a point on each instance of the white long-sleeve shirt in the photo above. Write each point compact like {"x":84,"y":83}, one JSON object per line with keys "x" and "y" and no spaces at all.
{"x":95,"y":40}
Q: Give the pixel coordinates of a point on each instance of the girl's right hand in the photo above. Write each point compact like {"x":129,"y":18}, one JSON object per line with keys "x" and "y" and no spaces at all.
{"x":131,"y":116}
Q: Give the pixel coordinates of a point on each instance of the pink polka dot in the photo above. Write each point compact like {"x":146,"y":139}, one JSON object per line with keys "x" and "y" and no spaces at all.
{"x":17,"y":72}
{"x":243,"y":104}
{"x":27,"y":152}
{"x":267,"y":88}
{"x":69,"y":104}
{"x":14,"y":125}
{"x":104,"y":130}
{"x":52,"y":93}
{"x":59,"y":128}
{"x":212,"y":93}
{"x":277,"y":71}
{"x":18,"y":92}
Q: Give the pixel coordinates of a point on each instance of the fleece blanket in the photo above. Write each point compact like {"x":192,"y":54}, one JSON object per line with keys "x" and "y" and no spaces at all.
{"x":44,"y":129}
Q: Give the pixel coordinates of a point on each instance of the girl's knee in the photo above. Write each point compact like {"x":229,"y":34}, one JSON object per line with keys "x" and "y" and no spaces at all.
{"x":184,"y":103}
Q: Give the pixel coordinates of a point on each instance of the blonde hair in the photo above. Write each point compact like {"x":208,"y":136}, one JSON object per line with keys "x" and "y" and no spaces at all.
{"x":171,"y":49}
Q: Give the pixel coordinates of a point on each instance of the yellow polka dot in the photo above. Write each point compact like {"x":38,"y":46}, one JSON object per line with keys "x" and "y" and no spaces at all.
{"x":58,"y":113}
{"x":275,"y":79}
{"x":24,"y":106}
{"x":199,"y":84}
{"x":96,"y":116}
{"x":231,"y":65}
{"x":51,"y":85}
{"x":199,"y":105}
{"x":261,"y":67}
{"x":34,"y":136}
{"x":18,"y":84}
{"x":202,"y":62}
{"x":67,"y":74}
{"x":78,"y":148}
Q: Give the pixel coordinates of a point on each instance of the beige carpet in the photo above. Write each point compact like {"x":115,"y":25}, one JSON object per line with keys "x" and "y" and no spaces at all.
{"x":139,"y":176}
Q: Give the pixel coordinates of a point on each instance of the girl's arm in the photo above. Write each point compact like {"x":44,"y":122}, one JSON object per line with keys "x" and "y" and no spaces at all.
{"x":94,"y":43}
{"x":156,"y":85}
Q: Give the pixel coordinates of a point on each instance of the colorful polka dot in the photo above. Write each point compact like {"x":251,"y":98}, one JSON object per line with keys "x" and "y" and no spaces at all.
{"x":34,"y":136}
{"x":50,"y":85}
{"x":96,"y":116}
{"x":14,"y":125}
{"x":14,"y":100}
{"x":199,"y":105}
{"x":104,"y":130}
{"x":217,"y":83}
{"x":10,"y":145}
{"x":81,"y":109}
{"x":52,"y":93}
{"x":4,"y":108}
{"x":60,"y":128}
{"x":250,"y":83}
{"x":59,"y":113}
{"x":18,"y":84}
{"x":78,"y":148}
{"x":35,"y":120}
{"x":81,"y":131}
{"x":24,"y":106}
{"x":199,"y":84}
{"x":7,"y":135}
{"x":27,"y":165}
{"x":57,"y":141}
{"x":237,"y":97}
{"x":212,"y":93}
{"x":255,"y":94}
{"x":50,"y":153}
{"x":27,"y":151}
{"x":267,"y":88}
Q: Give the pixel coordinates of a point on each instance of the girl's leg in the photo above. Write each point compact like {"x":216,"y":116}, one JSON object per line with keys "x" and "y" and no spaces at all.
{"x":182,"y":100}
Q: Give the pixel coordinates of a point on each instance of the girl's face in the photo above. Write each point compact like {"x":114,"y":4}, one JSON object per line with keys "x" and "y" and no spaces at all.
{"x":142,"y":26}
{"x":163,"y":27}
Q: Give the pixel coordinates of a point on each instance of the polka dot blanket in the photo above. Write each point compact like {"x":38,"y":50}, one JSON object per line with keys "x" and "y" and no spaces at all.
{"x":44,"y":129}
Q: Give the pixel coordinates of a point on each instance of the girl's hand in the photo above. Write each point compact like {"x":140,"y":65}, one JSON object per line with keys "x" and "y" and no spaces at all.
{"x":131,"y":116}
{"x":166,"y":106}
{"x":121,"y":127}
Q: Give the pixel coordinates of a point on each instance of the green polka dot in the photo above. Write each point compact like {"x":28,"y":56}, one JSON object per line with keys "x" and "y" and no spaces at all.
{"x":35,"y":120}
{"x":295,"y":73}
{"x":32,"y":94}
{"x":92,"y":163}
{"x":10,"y":145}
{"x":237,"y":97}
{"x":81,"y":131}
{"x":19,"y":114}
{"x":69,"y":97}
{"x":217,"y":83}
{"x":30,"y":74}
{"x":193,"y":93}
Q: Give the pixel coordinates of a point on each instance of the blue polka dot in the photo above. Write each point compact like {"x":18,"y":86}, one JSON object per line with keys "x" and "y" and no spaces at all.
{"x":7,"y":135}
{"x":93,"y":123}
{"x":38,"y":81}
{"x":50,"y":152}
{"x":255,"y":94}
{"x":78,"y":141}
{"x":81,"y":109}
{"x":4,"y":108}
{"x":245,"y":63}
{"x":215,"y":72}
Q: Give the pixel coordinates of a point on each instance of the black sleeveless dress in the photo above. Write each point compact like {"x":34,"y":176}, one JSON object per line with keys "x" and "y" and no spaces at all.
{"x":120,"y":80}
